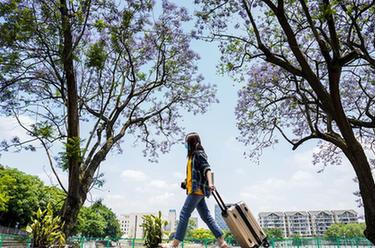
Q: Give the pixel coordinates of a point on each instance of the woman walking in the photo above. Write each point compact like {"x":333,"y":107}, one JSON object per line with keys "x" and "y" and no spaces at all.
{"x":198,"y":185}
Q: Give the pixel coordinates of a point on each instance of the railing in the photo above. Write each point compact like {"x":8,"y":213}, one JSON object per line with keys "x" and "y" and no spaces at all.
{"x":10,"y":230}
{"x":321,"y":243}
{"x":87,"y":242}
{"x":14,"y":241}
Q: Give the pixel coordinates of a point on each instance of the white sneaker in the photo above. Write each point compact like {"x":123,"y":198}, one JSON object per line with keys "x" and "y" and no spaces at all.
{"x":222,"y":244}
{"x":169,"y":245}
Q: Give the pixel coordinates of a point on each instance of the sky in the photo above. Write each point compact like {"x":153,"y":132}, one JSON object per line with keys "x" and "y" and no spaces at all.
{"x":284,"y":180}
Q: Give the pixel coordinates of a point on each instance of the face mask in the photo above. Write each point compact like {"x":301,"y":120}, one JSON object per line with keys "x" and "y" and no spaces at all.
{"x":186,"y":146}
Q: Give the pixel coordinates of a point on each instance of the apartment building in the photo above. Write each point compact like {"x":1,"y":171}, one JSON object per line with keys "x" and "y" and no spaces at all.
{"x":297,"y":223}
{"x":131,"y":225}
{"x":345,"y":216}
{"x":273,"y":220}
{"x":320,"y":221}
{"x":306,"y":223}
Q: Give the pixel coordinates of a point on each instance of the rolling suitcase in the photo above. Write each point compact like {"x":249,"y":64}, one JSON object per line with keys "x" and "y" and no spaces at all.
{"x":242,"y":224}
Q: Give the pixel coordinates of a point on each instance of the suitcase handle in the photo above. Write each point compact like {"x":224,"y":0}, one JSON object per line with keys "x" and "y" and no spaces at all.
{"x":219,"y":201}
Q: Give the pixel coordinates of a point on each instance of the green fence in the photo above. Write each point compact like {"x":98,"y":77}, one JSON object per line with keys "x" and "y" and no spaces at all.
{"x":7,"y":240}
{"x":84,"y":242}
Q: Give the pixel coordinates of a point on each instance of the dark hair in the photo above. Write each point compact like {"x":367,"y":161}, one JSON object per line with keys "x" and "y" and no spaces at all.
{"x":194,"y":143}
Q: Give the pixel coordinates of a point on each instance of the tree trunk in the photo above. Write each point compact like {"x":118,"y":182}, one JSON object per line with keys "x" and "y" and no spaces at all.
{"x":355,"y":153}
{"x":74,"y":200}
{"x":366,"y":182}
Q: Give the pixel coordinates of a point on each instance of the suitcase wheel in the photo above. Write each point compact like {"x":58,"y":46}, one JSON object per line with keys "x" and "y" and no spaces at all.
{"x":265,"y":243}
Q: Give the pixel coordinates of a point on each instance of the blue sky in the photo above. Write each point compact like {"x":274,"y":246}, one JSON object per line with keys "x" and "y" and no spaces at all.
{"x":283,"y":180}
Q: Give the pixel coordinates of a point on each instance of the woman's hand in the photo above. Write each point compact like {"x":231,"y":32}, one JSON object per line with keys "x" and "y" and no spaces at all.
{"x":183,"y":184}
{"x":210,"y":181}
{"x":211,"y":187}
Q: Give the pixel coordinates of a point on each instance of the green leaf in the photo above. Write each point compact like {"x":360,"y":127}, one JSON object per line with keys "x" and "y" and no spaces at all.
{"x":96,"y":55}
{"x":100,"y":25}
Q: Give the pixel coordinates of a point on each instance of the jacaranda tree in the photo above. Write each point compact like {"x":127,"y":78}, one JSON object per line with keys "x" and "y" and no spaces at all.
{"x":88,"y":73}
{"x":309,"y":69}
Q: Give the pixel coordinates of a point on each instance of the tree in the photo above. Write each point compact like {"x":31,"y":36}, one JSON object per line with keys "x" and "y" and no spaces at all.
{"x":192,"y":224}
{"x":201,"y":233}
{"x":112,"y":228}
{"x":24,"y":194}
{"x":117,"y":70}
{"x":350,"y":230}
{"x":90,"y":223}
{"x":97,"y":221}
{"x":309,"y":73}
{"x":274,"y":233}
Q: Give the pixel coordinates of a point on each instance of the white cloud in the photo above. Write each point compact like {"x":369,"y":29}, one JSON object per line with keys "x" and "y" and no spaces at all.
{"x":161,"y":184}
{"x":162,"y":199}
{"x":158,"y":184}
{"x":114,"y":197}
{"x":134,"y":175}
{"x":304,"y":188}
{"x":10,"y":128}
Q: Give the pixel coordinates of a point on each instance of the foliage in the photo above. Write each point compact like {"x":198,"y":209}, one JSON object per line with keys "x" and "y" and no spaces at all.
{"x":276,"y":96}
{"x":228,"y":236}
{"x":124,"y":70}
{"x":4,"y":199}
{"x":201,"y":233}
{"x":350,"y":230}
{"x":90,"y":223}
{"x":22,"y":195}
{"x":46,"y":229}
{"x":97,"y":55}
{"x":97,"y":221}
{"x":171,"y":235}
{"x":72,"y":150}
{"x":168,"y":235}
{"x":296,"y":239}
{"x":296,"y":236}
{"x":192,"y":224}
{"x":306,"y":70}
{"x":116,"y":46}
{"x":274,"y":233}
{"x":153,"y":230}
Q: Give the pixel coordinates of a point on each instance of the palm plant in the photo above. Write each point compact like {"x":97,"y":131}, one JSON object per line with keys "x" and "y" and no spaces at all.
{"x":153,"y":229}
{"x":46,"y":229}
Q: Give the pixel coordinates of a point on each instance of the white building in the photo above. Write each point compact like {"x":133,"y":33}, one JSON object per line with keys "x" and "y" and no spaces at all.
{"x":310,"y":223}
{"x":131,"y":225}
{"x":320,"y":221}
{"x":273,"y":220}
{"x":297,"y":223}
{"x":172,"y":215}
{"x":345,"y":216}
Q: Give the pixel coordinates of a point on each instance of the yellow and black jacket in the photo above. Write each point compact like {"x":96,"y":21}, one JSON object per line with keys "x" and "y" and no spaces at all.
{"x":196,"y":169}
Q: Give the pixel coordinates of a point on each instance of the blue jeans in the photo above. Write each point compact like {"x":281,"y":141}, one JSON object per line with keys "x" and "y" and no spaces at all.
{"x":198,"y":202}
